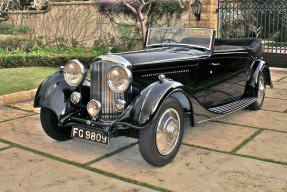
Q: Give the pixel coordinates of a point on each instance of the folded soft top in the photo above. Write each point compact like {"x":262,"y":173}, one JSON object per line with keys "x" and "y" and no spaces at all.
{"x":253,"y":45}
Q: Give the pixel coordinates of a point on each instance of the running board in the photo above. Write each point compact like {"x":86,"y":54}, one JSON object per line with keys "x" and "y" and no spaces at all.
{"x":234,"y":106}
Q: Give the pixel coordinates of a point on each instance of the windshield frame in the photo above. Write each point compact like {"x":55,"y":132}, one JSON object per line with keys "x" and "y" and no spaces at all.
{"x":181,"y":44}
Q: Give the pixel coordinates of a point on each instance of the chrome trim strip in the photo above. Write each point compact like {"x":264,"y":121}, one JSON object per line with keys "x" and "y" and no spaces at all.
{"x":180,"y":44}
{"x":165,"y":73}
{"x":227,"y":53}
{"x":114,"y":59}
{"x":142,"y":51}
{"x":171,"y":60}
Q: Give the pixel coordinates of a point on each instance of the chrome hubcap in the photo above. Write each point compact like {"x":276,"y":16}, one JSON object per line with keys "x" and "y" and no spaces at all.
{"x":261,"y":90}
{"x":167,"y":132}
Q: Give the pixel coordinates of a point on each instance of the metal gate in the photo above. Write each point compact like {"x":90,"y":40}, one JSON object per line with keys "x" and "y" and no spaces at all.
{"x":265,"y":19}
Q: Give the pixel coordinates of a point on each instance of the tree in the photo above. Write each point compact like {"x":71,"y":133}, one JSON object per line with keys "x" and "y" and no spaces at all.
{"x":142,"y":10}
{"x":138,"y":13}
{"x":7,"y":5}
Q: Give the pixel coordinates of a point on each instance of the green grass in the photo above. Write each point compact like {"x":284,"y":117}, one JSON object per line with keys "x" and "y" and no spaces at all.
{"x":246,"y":141}
{"x":281,"y":79}
{"x":23,"y":79}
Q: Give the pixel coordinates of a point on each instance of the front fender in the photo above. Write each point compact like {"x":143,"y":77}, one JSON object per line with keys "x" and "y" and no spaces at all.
{"x":260,"y":67}
{"x":53,"y":94}
{"x":143,"y":110}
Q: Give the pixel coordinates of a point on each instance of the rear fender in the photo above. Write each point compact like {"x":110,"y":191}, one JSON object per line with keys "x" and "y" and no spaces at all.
{"x":260,"y":67}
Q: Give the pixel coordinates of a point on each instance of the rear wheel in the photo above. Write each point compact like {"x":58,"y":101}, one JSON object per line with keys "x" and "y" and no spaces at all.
{"x":261,"y":89}
{"x":160,"y":142}
{"x":50,"y":125}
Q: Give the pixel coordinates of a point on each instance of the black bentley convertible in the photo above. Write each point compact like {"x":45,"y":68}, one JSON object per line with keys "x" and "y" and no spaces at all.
{"x":182,"y":73}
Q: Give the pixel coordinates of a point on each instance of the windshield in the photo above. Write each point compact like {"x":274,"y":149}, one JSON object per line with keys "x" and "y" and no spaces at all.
{"x":180,"y":36}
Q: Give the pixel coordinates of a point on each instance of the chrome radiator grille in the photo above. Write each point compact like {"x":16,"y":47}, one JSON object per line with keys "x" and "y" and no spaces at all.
{"x":101,"y":91}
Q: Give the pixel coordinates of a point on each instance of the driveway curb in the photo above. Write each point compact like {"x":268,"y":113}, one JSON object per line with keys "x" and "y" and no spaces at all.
{"x":17,"y":97}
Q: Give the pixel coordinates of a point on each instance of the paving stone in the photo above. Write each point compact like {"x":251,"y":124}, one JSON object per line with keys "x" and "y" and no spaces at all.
{"x":278,"y":74}
{"x":275,"y":104}
{"x":276,"y":93}
{"x":280,"y":71}
{"x":261,"y":119}
{"x":18,"y":97}
{"x":200,"y":170}
{"x":3,"y":145}
{"x":27,"y":105}
{"x":28,"y":132}
{"x":25,"y":171}
{"x":267,"y":145}
{"x":277,"y":77}
{"x":279,"y":85}
{"x":8,"y":113}
{"x":1,"y":100}
{"x":283,"y":80}
{"x":217,"y":135}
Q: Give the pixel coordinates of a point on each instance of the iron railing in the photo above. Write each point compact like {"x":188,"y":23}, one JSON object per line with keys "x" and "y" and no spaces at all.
{"x":265,"y":19}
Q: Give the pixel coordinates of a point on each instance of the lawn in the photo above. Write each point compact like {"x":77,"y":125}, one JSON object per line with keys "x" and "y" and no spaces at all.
{"x":23,"y":79}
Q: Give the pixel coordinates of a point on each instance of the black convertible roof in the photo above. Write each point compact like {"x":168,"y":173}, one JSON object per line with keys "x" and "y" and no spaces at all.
{"x":253,"y":45}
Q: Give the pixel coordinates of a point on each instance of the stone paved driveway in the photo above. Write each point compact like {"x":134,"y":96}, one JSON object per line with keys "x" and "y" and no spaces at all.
{"x":246,"y":151}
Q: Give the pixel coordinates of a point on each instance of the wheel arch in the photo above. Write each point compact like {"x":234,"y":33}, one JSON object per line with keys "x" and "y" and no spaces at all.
{"x":186,"y":104}
{"x":146,"y":106}
{"x":259,"y":67}
{"x":53,"y":94}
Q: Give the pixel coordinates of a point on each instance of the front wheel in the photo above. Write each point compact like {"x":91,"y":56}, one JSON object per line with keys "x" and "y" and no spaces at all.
{"x":160,"y":141}
{"x":50,"y":125}
{"x":261,"y":89}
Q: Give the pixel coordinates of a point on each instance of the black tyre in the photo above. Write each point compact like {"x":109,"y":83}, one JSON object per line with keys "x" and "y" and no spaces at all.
{"x":49,"y":123}
{"x":261,"y":89}
{"x":160,"y":142}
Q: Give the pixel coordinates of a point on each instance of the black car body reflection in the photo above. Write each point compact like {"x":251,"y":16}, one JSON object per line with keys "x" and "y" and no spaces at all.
{"x":182,"y":72}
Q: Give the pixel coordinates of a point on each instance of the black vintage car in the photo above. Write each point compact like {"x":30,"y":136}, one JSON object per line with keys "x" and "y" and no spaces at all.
{"x":182,"y":73}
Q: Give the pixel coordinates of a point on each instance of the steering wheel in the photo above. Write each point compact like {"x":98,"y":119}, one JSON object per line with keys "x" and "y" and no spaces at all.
{"x":169,"y":40}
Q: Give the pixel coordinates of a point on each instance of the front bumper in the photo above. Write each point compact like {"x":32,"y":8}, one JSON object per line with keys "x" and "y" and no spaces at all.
{"x":76,"y":120}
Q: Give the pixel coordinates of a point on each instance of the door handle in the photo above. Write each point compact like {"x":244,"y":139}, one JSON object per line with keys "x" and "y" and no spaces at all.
{"x":215,"y":64}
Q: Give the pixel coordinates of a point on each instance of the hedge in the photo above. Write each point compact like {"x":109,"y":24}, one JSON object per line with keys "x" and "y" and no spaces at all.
{"x":13,"y":61}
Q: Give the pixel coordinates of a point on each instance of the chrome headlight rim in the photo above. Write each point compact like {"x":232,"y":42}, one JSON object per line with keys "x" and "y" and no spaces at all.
{"x":91,"y":105}
{"x":129,"y":77}
{"x":83,"y":72}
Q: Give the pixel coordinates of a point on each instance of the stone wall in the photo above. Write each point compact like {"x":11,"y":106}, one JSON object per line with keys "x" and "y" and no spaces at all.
{"x":209,"y":15}
{"x":79,"y":20}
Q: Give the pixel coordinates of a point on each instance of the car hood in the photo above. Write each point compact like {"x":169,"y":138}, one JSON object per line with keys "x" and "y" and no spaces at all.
{"x":163,"y":55}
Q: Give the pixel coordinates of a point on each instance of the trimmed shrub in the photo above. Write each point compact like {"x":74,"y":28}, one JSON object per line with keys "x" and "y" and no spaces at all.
{"x":12,"y":42}
{"x":12,"y":61}
{"x":11,"y":29}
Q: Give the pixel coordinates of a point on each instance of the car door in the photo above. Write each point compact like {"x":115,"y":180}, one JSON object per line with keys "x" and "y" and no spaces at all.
{"x":227,"y":78}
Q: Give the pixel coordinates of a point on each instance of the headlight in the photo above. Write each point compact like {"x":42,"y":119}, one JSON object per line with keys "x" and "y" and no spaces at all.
{"x":119,"y":79}
{"x":94,"y":107}
{"x":75,"y":73}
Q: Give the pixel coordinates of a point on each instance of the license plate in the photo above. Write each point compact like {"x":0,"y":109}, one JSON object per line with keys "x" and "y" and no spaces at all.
{"x":90,"y":135}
